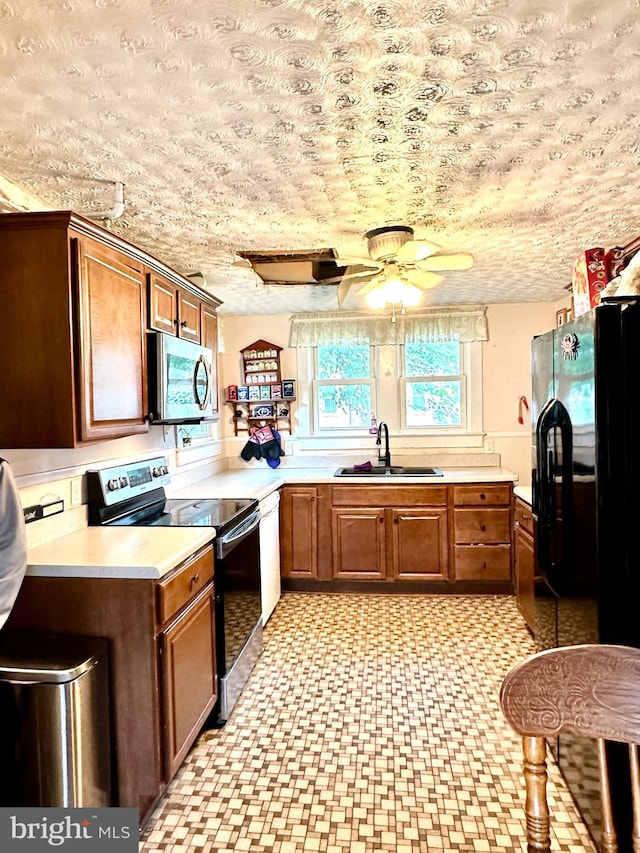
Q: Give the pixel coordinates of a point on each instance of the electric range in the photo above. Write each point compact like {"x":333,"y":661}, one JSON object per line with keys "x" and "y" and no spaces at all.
{"x":134,"y":494}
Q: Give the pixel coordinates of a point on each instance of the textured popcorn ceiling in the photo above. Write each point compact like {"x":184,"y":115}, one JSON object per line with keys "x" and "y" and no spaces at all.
{"x":508,"y":129}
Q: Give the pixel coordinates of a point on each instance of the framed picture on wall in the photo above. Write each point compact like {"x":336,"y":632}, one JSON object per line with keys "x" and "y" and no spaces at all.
{"x":561,"y":317}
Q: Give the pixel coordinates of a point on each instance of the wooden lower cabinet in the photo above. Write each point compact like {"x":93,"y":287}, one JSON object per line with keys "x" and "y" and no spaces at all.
{"x":482,"y":531}
{"x":188,"y":663}
{"x":407,"y":535}
{"x":305,"y":532}
{"x":524,"y":562}
{"x":358,"y":543}
{"x":419,"y":544}
{"x":161,"y":661}
{"x":390,"y":544}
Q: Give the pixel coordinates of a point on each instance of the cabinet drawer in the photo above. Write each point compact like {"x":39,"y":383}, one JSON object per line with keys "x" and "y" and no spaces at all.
{"x":378,"y":495}
{"x":483,"y":562}
{"x":483,"y":526}
{"x":523,"y":516}
{"x":183,"y":584}
{"x":482,"y":493}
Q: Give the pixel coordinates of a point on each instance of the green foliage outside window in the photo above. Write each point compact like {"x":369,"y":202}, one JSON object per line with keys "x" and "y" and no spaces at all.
{"x":344,"y":403}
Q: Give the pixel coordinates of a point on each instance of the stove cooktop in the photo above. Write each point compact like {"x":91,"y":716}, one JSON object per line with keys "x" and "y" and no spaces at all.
{"x":218,"y":513}
{"x":133,"y":495}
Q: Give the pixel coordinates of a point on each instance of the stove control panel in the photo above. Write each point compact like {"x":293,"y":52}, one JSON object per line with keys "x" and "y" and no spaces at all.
{"x":128,"y":481}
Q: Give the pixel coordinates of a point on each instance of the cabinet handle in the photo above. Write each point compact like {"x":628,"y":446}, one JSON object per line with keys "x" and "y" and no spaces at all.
{"x":483,"y":527}
{"x":483,"y":497}
{"x":184,"y":324}
{"x":194,"y":579}
{"x":381,"y":520}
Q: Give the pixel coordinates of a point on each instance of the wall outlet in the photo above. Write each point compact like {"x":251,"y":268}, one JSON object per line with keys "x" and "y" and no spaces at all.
{"x":76,"y":491}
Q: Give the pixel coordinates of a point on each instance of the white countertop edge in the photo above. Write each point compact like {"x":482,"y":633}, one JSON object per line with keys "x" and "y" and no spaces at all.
{"x":117,"y":552}
{"x":258,"y":484}
{"x":524,"y":493}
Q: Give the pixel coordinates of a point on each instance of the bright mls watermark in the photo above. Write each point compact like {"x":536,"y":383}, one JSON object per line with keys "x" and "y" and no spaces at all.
{"x":78,"y":830}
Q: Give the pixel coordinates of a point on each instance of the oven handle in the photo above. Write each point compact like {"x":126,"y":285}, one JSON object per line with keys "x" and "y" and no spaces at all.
{"x":235,"y":536}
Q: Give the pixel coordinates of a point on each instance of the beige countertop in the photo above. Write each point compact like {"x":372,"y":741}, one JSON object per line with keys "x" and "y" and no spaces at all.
{"x":117,"y":552}
{"x":524,"y":493}
{"x":150,"y":552}
{"x":258,"y":483}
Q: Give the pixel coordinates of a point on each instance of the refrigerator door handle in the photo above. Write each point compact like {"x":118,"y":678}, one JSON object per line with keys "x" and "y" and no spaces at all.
{"x":551,"y":559}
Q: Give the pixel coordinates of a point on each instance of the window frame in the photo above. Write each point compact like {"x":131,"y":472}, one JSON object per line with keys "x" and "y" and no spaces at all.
{"x":388,"y":397}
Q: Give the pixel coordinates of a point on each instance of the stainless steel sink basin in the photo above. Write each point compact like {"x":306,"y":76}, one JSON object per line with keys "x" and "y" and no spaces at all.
{"x":393,"y":471}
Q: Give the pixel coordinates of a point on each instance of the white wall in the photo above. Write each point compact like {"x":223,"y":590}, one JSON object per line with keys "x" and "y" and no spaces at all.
{"x":507,"y":376}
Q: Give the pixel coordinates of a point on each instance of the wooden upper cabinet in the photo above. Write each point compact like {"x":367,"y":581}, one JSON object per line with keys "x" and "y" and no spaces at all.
{"x":173,"y":310}
{"x":73,"y":333}
{"x":209,"y":338}
{"x":163,"y":304}
{"x":189,"y":308}
{"x":112,"y":376}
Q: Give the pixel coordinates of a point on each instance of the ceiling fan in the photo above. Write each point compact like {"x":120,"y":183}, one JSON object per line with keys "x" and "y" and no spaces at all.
{"x":398,"y":268}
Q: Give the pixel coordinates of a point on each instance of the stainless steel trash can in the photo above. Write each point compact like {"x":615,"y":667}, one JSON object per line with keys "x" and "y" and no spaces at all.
{"x":54,"y":720}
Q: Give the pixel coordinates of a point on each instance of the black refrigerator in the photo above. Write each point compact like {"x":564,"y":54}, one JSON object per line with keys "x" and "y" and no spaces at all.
{"x":586,"y":465}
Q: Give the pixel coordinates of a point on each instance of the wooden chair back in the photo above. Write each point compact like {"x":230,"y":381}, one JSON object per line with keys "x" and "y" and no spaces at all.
{"x":587,"y":690}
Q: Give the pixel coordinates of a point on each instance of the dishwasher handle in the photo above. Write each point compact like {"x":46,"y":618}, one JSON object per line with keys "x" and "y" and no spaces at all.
{"x":237,"y":534}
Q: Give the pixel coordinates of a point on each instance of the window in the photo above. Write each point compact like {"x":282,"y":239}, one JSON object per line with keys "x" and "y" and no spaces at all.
{"x":434,"y":384}
{"x":422,"y":375}
{"x":344,"y":385}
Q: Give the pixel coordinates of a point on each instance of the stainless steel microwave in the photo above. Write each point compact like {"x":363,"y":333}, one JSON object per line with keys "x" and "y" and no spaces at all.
{"x":180,"y":378}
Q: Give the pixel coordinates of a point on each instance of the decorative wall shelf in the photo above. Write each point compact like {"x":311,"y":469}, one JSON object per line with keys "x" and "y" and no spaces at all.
{"x":263,"y":398}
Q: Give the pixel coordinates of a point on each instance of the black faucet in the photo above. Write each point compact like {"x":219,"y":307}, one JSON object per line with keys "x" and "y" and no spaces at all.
{"x":387,"y":453}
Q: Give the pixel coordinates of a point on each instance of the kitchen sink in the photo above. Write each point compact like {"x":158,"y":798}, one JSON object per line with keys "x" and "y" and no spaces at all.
{"x":393,"y":471}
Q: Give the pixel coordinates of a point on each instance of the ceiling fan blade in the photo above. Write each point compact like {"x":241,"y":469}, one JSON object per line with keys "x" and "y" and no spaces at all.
{"x":415,"y":250}
{"x":353,"y":261}
{"x":454,"y":261}
{"x":343,"y":289}
{"x":422,"y":279}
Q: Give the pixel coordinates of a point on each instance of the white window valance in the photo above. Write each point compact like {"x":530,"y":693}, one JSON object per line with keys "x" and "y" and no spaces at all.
{"x":468,"y":323}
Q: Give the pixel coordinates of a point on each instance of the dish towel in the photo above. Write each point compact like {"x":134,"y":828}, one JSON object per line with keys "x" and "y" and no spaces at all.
{"x":13,"y":542}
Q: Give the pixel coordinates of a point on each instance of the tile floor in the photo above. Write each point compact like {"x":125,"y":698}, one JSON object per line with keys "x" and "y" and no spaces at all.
{"x":370,"y":723}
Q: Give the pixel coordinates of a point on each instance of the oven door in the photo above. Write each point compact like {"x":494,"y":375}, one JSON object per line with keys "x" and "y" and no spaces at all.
{"x":180,"y":378}
{"x":238,"y":609}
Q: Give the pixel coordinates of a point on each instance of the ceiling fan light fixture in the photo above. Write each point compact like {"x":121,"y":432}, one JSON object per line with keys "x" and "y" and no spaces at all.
{"x":394,"y":291}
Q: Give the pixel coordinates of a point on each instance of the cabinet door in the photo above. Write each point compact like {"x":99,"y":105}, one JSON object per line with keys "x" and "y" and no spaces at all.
{"x":112,"y":374}
{"x":163,"y":304}
{"x":420,"y":550}
{"x":188,"y":316}
{"x":187,"y":650}
{"x":525,"y":571}
{"x":358,"y":543}
{"x":299,"y":532}
{"x":209,"y":329}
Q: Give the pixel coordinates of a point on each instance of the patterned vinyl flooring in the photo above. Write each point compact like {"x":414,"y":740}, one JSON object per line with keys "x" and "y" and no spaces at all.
{"x":370,"y":723}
